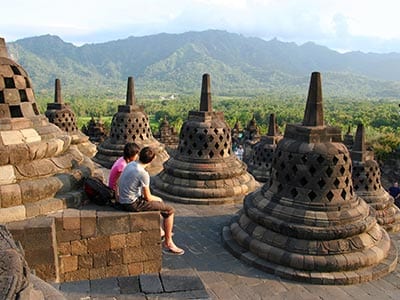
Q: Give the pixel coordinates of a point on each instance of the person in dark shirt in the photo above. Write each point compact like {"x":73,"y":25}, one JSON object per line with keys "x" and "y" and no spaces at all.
{"x":394,"y":191}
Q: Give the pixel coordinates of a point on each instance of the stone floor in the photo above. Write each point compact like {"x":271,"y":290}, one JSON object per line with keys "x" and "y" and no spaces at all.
{"x":208,"y":271}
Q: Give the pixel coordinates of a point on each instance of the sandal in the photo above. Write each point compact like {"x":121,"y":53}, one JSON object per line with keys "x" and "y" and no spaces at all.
{"x":174,"y":250}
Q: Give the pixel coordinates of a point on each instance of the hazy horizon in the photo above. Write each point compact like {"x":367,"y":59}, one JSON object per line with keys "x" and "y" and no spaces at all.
{"x":341,"y":25}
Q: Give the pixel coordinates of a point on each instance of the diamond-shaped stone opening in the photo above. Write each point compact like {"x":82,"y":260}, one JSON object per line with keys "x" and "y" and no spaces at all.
{"x":345,"y":158}
{"x":342,"y":170}
{"x":221,"y":152}
{"x":199,"y":153}
{"x":321,"y":183}
{"x":294,"y":192}
{"x":290,"y":156}
{"x":343,"y":194}
{"x":216,"y":145}
{"x":221,"y":138}
{"x":205,"y":130}
{"x":210,"y":138}
{"x":329,"y":171}
{"x":356,"y":187}
{"x":211,"y":154}
{"x":320,"y":159}
{"x":303,"y":181}
{"x":312,"y":195}
{"x":205,"y":146}
{"x":336,"y":182}
{"x":194,"y":145}
{"x":347,"y":181}
{"x":216,"y":131}
{"x":330,"y":195}
{"x":189,"y":152}
{"x":312,"y":170}
{"x":200,"y":137}
{"x":335,"y":160}
{"x":304,"y":158}
{"x":375,"y":187}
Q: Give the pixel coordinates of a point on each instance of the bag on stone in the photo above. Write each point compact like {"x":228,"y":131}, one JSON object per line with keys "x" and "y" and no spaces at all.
{"x":98,"y":192}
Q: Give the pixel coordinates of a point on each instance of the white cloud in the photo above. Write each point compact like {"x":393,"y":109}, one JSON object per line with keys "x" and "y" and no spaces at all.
{"x":339,"y":24}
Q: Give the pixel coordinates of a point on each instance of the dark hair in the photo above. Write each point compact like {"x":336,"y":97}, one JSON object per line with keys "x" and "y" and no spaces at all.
{"x":130,"y":150}
{"x":146,"y":155}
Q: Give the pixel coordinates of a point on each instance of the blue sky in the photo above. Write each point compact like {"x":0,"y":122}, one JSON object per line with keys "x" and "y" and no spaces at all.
{"x":342,"y":25}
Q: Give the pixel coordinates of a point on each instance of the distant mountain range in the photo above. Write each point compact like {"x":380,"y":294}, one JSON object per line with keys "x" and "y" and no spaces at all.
{"x":174,"y":63}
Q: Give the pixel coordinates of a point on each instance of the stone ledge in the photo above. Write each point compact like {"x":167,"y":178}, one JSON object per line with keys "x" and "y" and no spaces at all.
{"x":88,"y":244}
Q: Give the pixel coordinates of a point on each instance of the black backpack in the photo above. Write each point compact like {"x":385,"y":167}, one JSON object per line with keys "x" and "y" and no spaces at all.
{"x":98,"y":192}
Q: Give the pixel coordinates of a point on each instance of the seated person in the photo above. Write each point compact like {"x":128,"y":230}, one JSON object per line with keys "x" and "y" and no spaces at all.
{"x":131,"y":153}
{"x":394,"y":191}
{"x":135,"y":195}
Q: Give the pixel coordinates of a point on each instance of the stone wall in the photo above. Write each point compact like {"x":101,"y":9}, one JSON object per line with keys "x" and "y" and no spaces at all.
{"x":89,"y":244}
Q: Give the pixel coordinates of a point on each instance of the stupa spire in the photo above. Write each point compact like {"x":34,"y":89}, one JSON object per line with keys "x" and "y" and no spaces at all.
{"x":272,"y":128}
{"x":57,"y":92}
{"x":130,"y":93}
{"x":359,"y":142}
{"x":314,"y":113}
{"x":3,"y":48}
{"x":205,"y":100}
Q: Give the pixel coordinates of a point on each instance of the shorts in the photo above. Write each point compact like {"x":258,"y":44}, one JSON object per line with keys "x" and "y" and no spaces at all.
{"x":143,"y":205}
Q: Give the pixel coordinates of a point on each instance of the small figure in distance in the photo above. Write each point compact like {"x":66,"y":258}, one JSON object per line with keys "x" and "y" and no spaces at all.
{"x":131,"y":153}
{"x":239,"y":152}
{"x":394,"y":191}
{"x":135,"y":196}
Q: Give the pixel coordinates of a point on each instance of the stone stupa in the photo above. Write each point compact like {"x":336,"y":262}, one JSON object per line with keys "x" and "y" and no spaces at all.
{"x":130,"y":124}
{"x":260,"y":159}
{"x":308,"y":224}
{"x":61,"y":114}
{"x":367,"y":184}
{"x":203,"y":170}
{"x":40,"y":169}
{"x":348,"y":139}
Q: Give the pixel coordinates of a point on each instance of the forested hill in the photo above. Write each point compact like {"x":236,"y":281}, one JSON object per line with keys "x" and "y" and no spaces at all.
{"x":174,"y":63}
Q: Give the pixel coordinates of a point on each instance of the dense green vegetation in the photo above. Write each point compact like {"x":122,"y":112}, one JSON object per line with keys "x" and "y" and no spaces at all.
{"x":249,"y":76}
{"x":380,"y":117}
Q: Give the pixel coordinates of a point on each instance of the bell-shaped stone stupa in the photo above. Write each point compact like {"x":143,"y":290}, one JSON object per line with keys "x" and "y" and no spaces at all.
{"x":260,"y":159}
{"x":61,"y":114}
{"x":308,"y":224}
{"x":40,"y":170}
{"x":203,"y":170}
{"x":130,"y":124}
{"x":367,"y":184}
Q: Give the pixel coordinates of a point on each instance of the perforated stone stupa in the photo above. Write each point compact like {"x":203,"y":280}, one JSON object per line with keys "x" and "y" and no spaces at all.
{"x":61,"y":114}
{"x":130,"y":124}
{"x":203,"y":170}
{"x":260,"y":158}
{"x":40,"y":169}
{"x":367,"y":184}
{"x":308,"y":224}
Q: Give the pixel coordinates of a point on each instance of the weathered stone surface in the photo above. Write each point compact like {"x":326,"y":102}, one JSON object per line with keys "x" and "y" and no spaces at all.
{"x":366,"y":177}
{"x":130,"y":124}
{"x":32,"y":150}
{"x":308,"y":223}
{"x":203,"y":169}
{"x":259,"y":157}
